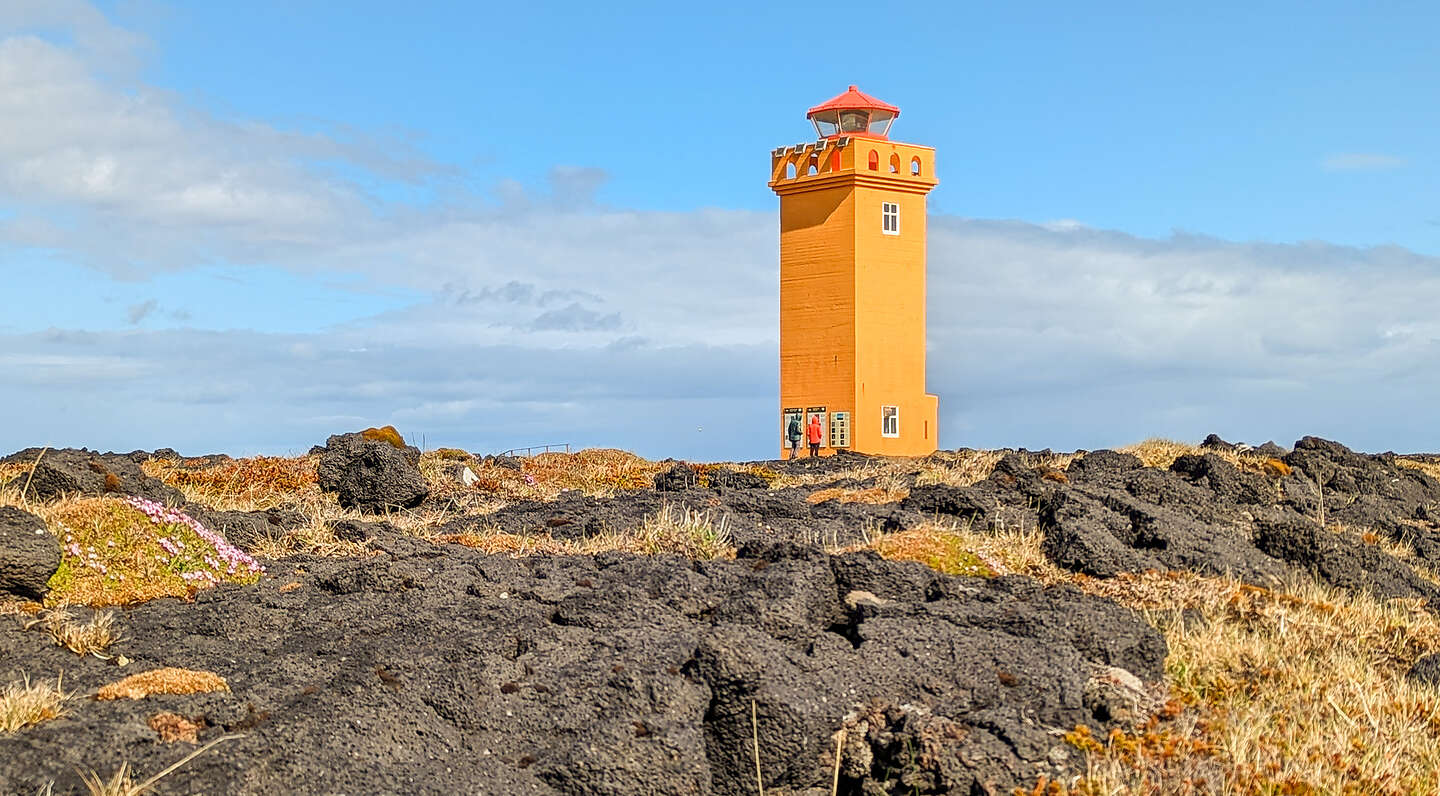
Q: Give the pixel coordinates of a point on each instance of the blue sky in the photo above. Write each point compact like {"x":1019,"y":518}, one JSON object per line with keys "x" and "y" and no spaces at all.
{"x":497,"y":226}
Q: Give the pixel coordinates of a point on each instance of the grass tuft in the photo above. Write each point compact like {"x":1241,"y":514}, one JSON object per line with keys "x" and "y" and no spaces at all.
{"x":82,"y":638}
{"x":163,"y":681}
{"x":23,"y":704}
{"x":683,"y":532}
{"x":1163,"y":452}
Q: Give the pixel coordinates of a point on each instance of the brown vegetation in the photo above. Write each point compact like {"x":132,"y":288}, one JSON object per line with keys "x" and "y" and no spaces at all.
{"x":163,"y":681}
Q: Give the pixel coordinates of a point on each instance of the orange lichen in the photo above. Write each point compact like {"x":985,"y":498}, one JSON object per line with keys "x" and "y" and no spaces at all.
{"x":1276,"y":468}
{"x":384,"y":434}
{"x":172,"y":727}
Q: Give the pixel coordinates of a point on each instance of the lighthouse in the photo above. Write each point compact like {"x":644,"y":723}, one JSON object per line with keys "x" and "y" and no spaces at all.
{"x":852,"y":281}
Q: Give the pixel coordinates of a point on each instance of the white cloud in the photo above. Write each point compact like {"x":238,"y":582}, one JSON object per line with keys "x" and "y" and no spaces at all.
{"x":1361,"y":161}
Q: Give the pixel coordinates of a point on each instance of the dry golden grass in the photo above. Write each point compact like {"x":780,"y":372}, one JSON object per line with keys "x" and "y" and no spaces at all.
{"x":163,"y":681}
{"x":1425,"y":464}
{"x":255,"y":484}
{"x":888,"y":474}
{"x":1163,"y":453}
{"x":17,"y":495}
{"x":1300,"y":690}
{"x":874,"y":495}
{"x":20,"y":607}
{"x":600,"y":472}
{"x":671,"y":531}
{"x":23,"y":703}
{"x":82,"y":638}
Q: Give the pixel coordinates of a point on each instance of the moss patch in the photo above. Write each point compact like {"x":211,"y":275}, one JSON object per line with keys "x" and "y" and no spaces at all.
{"x":939,"y":550}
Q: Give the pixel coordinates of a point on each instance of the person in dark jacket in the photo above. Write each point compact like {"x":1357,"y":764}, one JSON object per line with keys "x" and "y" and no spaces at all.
{"x":793,"y":435}
{"x":814,"y":434}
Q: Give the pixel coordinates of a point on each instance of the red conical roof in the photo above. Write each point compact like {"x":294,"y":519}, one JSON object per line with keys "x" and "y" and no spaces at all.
{"x":854,"y":99}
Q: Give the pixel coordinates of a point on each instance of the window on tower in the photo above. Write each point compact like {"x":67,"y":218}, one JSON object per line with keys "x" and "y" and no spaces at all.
{"x":826,"y":123}
{"x":889,"y":421}
{"x":854,"y":121}
{"x":890,"y":218}
{"x":880,"y":122}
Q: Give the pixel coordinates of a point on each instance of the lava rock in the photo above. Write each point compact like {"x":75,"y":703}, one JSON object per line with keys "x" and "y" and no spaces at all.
{"x":1339,"y":559}
{"x":355,"y":531}
{"x":1103,"y":462}
{"x":678,"y":478}
{"x":953,"y":501}
{"x":29,"y":554}
{"x":1271,"y":450}
{"x":613,"y":674}
{"x":1426,"y":671}
{"x":1214,"y":442}
{"x":371,"y":475}
{"x":68,"y":471}
{"x":725,"y":478}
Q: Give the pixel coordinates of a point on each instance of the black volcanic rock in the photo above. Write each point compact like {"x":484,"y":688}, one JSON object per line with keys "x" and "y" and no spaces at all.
{"x":371,"y":475}
{"x":67,"y":471}
{"x":29,"y":554}
{"x":458,"y":672}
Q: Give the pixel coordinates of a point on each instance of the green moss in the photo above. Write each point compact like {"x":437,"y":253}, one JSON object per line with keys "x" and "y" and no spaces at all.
{"x":942,"y":552}
{"x":961,"y":562}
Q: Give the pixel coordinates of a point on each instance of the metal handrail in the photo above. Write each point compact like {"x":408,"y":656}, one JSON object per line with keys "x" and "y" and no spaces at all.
{"x":534,"y":449}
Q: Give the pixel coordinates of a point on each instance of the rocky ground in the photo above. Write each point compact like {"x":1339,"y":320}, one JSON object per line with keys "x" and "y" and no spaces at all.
{"x":975,"y":622}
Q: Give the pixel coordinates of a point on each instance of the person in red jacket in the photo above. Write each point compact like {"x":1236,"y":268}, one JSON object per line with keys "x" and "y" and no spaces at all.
{"x":813,"y":435}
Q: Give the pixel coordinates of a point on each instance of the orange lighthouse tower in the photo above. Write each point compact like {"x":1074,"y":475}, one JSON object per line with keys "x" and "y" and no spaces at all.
{"x":852,"y":281}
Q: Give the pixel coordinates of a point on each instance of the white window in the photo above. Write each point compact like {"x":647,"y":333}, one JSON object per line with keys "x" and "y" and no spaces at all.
{"x":890,"y":218}
{"x":889,"y":421}
{"x":840,"y":430}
